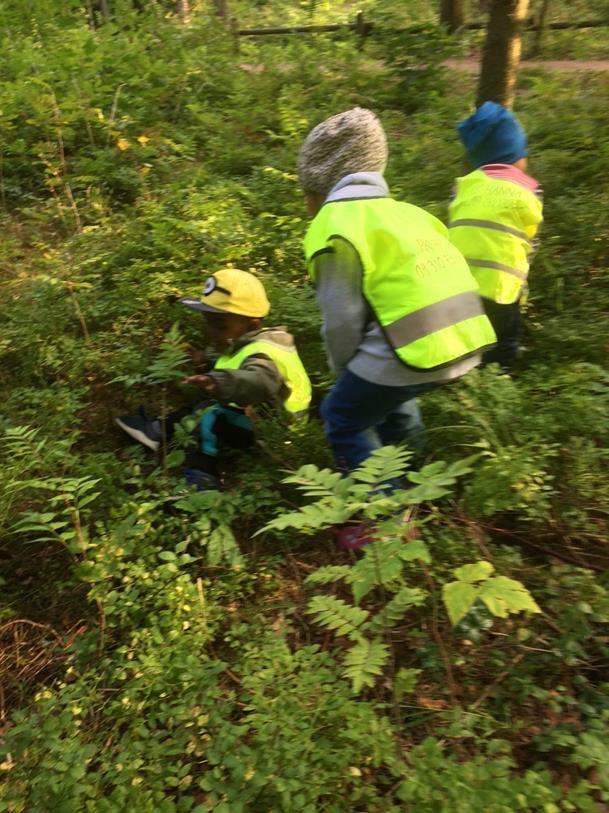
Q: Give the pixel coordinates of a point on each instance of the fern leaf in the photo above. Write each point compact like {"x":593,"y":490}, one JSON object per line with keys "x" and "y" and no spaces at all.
{"x":387,"y":463}
{"x":325,"y":512}
{"x":222,"y":547}
{"x":426,"y":492}
{"x":316,"y":482}
{"x":380,"y":565}
{"x":364,"y":662}
{"x":433,"y":480}
{"x":21,"y":442}
{"x":395,"y":610}
{"x":335,"y":614}
{"x":329,"y":574}
{"x":416,"y":549}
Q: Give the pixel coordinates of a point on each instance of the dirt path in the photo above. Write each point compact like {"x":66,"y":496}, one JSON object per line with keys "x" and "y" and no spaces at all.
{"x":472,"y":64}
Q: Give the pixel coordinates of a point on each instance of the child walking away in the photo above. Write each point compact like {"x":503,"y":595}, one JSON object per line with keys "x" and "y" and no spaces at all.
{"x":401,"y":311}
{"x":255,"y":366}
{"x":494,"y":218}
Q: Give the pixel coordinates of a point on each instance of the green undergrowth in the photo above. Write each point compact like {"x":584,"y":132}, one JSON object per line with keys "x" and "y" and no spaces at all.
{"x":223,"y":653}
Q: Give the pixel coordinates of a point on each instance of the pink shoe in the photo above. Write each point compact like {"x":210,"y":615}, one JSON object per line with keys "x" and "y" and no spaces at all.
{"x":353,"y":537}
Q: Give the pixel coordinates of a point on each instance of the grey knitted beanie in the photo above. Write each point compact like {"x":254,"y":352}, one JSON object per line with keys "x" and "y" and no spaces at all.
{"x":353,"y":141}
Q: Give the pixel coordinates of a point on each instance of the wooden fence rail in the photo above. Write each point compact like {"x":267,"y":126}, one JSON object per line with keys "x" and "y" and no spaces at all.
{"x":363,"y":28}
{"x":359,"y":26}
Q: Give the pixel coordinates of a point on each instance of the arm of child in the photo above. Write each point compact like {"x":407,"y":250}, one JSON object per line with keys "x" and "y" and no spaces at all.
{"x":338,"y":276}
{"x":203,"y":382}
{"x":257,"y":381}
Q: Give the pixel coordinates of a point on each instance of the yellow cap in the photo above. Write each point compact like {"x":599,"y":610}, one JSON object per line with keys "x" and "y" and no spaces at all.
{"x":232,"y":291}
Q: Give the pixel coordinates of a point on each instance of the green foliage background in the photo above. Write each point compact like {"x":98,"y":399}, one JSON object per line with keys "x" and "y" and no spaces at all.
{"x":161,"y":662}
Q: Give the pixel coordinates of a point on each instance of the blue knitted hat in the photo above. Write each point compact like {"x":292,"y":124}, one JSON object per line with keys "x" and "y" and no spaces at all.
{"x":492,"y":135}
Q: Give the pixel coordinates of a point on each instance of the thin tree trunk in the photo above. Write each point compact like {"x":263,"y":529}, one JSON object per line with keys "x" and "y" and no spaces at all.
{"x":91,"y":15}
{"x":221,"y":7}
{"x":452,"y":14}
{"x":541,"y":21}
{"x":183,"y":9}
{"x":104,"y":9}
{"x":501,"y":53}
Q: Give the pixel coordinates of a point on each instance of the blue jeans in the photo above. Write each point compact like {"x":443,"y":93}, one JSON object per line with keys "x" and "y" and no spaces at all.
{"x":360,"y":417}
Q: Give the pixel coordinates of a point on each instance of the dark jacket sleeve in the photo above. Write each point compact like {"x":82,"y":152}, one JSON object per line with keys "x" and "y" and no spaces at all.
{"x":257,"y":381}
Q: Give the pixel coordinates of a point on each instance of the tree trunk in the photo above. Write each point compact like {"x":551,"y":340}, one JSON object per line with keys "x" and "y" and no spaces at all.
{"x":221,"y":7}
{"x":90,"y":15}
{"x":451,"y":14}
{"x":502,"y":51}
{"x":540,"y":22}
{"x":183,"y":10}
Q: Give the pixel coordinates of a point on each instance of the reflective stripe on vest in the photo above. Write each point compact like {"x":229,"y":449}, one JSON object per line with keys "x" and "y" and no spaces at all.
{"x":488,"y":224}
{"x":432,"y":318}
{"x":497,"y":266}
{"x":290,"y":367}
{"x":416,"y":283}
{"x":493,"y":223}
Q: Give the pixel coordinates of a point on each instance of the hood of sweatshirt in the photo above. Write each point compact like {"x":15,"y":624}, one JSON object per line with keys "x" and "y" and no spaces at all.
{"x":277,"y":335}
{"x":359,"y":185}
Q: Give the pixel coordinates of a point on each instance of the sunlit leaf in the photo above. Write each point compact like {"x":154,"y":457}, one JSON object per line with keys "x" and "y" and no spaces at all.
{"x":458,"y":598}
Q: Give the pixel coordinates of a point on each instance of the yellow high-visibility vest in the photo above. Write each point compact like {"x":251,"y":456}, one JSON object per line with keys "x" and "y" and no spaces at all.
{"x":493,"y":222}
{"x":414,"y":280}
{"x":287,"y":361}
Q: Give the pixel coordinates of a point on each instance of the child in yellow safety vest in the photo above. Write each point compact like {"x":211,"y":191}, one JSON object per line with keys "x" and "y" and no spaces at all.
{"x":253,"y":366}
{"x":494,"y":218}
{"x":401,"y":311}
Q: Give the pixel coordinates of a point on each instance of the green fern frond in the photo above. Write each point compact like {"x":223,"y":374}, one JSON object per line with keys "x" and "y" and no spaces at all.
{"x":21,"y":441}
{"x":168,"y":364}
{"x":416,"y":550}
{"x":222,"y":547}
{"x":380,"y":565}
{"x":325,"y":512}
{"x":316,"y":482}
{"x":329,"y":574}
{"x":387,"y":463}
{"x":335,"y":614}
{"x":433,"y":481}
{"x":364,"y":662}
{"x":395,"y":610}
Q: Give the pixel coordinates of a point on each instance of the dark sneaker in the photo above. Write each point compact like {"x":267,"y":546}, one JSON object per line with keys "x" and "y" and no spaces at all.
{"x":202,"y":480}
{"x":141,"y":428}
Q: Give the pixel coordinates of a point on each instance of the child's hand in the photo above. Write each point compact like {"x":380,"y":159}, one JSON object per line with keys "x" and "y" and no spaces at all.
{"x":204,"y":382}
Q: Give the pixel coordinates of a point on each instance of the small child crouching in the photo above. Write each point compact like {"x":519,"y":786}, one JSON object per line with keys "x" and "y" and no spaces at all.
{"x":255,"y":366}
